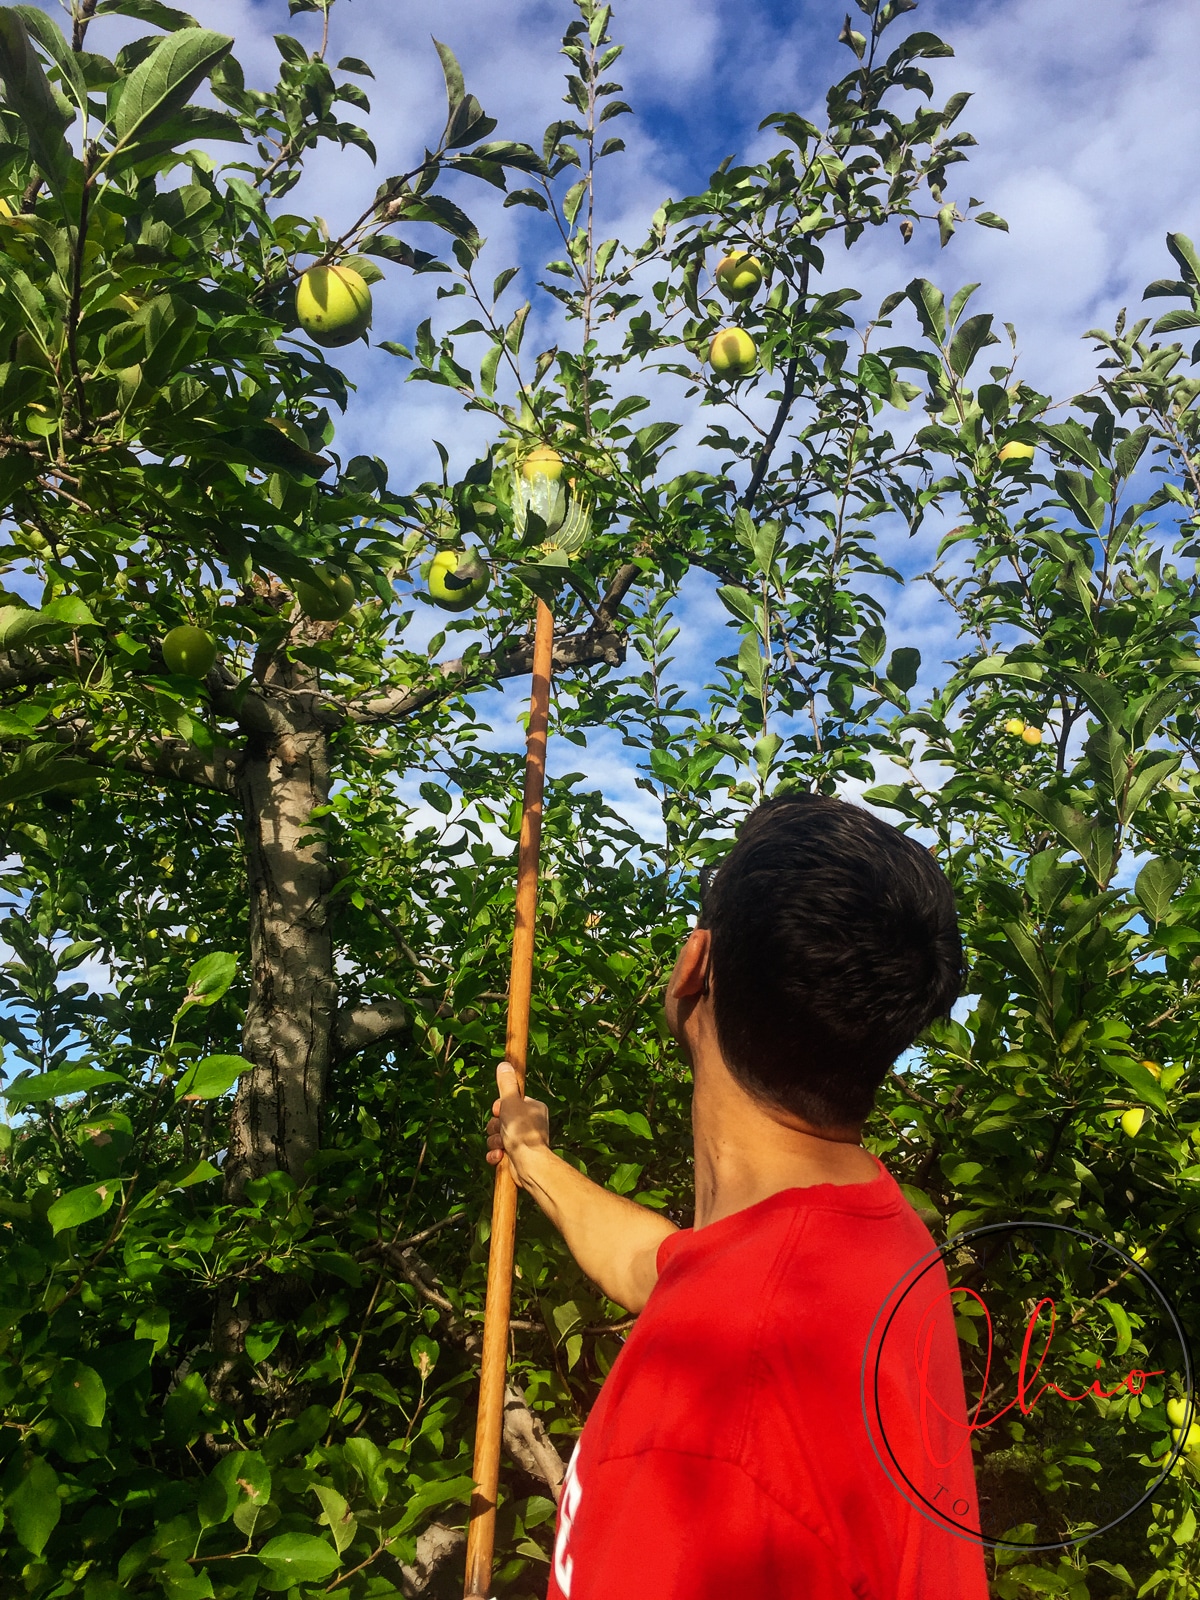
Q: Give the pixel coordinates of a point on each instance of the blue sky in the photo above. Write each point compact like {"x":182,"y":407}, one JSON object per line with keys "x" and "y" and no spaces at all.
{"x":1086,"y":118}
{"x":1087,"y":122}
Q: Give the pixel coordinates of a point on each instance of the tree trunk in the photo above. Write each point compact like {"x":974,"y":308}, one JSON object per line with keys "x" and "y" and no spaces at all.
{"x":284,"y":777}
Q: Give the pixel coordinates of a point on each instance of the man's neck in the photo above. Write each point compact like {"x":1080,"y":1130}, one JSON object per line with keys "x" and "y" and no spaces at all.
{"x":746,"y":1151}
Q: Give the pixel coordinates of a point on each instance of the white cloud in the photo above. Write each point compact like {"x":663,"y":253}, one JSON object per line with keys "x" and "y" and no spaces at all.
{"x":1085,"y":112}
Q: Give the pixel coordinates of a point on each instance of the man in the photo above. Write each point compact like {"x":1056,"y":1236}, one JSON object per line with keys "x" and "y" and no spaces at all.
{"x":758,"y":1436}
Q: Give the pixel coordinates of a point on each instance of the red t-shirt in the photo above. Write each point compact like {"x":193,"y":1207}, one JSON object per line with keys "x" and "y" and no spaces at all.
{"x":736,"y":1450}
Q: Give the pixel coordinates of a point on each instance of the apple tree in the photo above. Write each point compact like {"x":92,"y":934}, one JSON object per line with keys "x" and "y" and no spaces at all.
{"x":243,"y":1186}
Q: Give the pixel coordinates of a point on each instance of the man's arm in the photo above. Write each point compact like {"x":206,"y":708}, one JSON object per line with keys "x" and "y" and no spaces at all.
{"x":614,"y":1240}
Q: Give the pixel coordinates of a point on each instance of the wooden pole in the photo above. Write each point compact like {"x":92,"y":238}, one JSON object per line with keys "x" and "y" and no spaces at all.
{"x":481,"y":1528}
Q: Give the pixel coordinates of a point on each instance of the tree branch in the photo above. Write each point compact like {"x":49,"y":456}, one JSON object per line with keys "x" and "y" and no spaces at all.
{"x":171,"y":760}
{"x":781,"y":415}
{"x":528,"y":1443}
{"x":772,"y":439}
{"x":82,"y":17}
{"x":356,"y":1027}
{"x":25,"y":671}
{"x":525,"y":1439}
{"x":436,"y":1546}
{"x":599,"y":643}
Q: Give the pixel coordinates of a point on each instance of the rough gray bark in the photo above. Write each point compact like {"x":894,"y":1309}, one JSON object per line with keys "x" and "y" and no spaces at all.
{"x":284,"y":776}
{"x":528,"y":1443}
{"x":356,"y":1027}
{"x":436,"y":1547}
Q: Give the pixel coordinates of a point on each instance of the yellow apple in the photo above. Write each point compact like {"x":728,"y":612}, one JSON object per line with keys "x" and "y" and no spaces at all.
{"x":458,"y":579}
{"x":1015,"y":726}
{"x":738,"y":275}
{"x":1131,"y":1120}
{"x":732,"y":353}
{"x":542,"y":462}
{"x":1016,"y":450}
{"x":1031,"y":735}
{"x":333,"y":305}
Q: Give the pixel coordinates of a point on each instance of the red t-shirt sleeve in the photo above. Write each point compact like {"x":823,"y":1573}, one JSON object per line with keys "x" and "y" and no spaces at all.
{"x":669,"y":1525}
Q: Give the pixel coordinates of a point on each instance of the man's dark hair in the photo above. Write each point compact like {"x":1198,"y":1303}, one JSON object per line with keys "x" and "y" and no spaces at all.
{"x":834,"y":944}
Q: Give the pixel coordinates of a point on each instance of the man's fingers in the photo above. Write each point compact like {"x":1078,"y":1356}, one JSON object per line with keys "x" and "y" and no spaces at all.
{"x":506,"y":1081}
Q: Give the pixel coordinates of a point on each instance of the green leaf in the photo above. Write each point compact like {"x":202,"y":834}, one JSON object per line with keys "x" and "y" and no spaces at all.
{"x":50,"y":37}
{"x":211,"y":1078}
{"x":1081,"y":497}
{"x":424,"y":1352}
{"x":1143,"y":1082}
{"x":336,"y":1515}
{"x":1184,"y":251}
{"x":182,"y":1411}
{"x":151,"y":11}
{"x":1156,"y":885}
{"x":210,"y":978}
{"x":903,"y":668}
{"x":22,"y":625}
{"x":1120,"y":1322}
{"x":81,"y":1205}
{"x":195,"y":1172}
{"x":974,"y":335}
{"x":58,"y":1085}
{"x":922,"y":1205}
{"x":851,"y":37}
{"x":33,"y":1507}
{"x":872,"y":642}
{"x":242,"y":1476}
{"x":28,"y":92}
{"x":635,"y":1121}
{"x":1176,"y":321}
{"x":751,"y":665}
{"x":39,"y":768}
{"x":166,"y":80}
{"x":456,"y":88}
{"x":1153,"y":768}
{"x":997,"y":667}
{"x":930,"y":305}
{"x":77,"y":1393}
{"x":435,"y":1492}
{"x":739,"y":602}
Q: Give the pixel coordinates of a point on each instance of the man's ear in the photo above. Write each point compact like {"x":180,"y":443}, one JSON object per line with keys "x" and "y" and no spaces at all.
{"x":691,"y":970}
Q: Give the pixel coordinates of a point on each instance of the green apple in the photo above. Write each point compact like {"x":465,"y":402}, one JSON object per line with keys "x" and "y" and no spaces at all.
{"x":328,"y":601}
{"x":1131,"y":1120}
{"x":732,"y":353}
{"x":189,"y":652}
{"x":458,"y":580}
{"x":333,"y":305}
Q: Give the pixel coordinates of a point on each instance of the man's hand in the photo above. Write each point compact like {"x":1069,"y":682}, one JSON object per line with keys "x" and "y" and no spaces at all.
{"x":518,"y":1127}
{"x":614,"y":1240}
